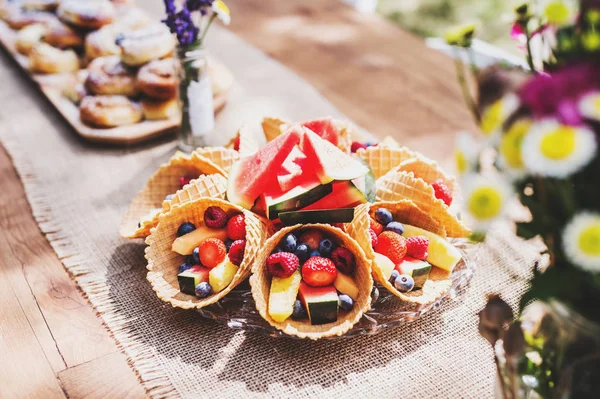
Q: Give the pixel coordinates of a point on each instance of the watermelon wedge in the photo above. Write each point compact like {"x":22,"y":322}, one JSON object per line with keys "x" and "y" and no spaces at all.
{"x":330,"y":162}
{"x":325,"y":128}
{"x":344,"y":195}
{"x":295,"y":171}
{"x":250,"y":176}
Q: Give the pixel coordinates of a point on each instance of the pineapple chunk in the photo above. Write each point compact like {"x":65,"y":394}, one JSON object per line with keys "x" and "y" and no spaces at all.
{"x":385,"y":264}
{"x":221,"y":275}
{"x":440,"y":252}
{"x":185,"y":244}
{"x":283,"y":295}
{"x":346,"y":285}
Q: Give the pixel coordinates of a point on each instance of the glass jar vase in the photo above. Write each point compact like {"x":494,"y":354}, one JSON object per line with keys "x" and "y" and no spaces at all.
{"x":195,"y":99}
{"x":561,"y":357}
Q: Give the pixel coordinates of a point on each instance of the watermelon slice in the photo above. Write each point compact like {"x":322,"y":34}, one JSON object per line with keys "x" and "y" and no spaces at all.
{"x":330,"y":162}
{"x":295,"y":171}
{"x":250,"y":176}
{"x":325,"y":128}
{"x":344,"y":195}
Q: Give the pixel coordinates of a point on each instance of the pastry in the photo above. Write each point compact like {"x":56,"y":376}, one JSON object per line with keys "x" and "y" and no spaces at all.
{"x":18,"y":19}
{"x":47,"y":59}
{"x":63,"y":36}
{"x":132,"y":18}
{"x":28,"y":37}
{"x":107,"y":75}
{"x":146,"y":44}
{"x":91,"y":14}
{"x":109,"y":111}
{"x":101,"y":43}
{"x":40,"y":5}
{"x":160,"y":109}
{"x":158,"y":79}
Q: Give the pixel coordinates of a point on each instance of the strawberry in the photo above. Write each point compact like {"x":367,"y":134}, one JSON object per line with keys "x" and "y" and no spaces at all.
{"x":319,"y":272}
{"x":236,"y":252}
{"x":312,"y":238}
{"x":391,"y":245}
{"x":212,"y":252}
{"x":282,"y":264}
{"x":417,"y":247}
{"x":343,"y":260}
{"x":215,"y":217}
{"x":184,"y":180}
{"x":236,"y":227}
{"x":374,"y":239}
{"x":355,"y":146}
{"x":376,"y":226}
{"x":442,"y":191}
{"x":236,"y":143}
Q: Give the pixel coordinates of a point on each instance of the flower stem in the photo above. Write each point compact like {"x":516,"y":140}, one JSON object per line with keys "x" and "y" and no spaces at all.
{"x":210,"y":21}
{"x":466,"y":93}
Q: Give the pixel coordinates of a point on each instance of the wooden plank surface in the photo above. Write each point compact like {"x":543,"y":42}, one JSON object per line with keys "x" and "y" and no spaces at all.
{"x":382,"y":78}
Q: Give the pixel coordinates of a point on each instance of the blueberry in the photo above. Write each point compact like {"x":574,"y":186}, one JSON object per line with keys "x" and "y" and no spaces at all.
{"x":383,"y":216}
{"x":394,"y":276}
{"x":185,"y":228}
{"x":289,"y":243}
{"x":276,"y":251}
{"x":299,"y":311}
{"x":184,"y":267}
{"x":196,"y":256}
{"x":169,"y":197}
{"x":404,"y":283}
{"x":325,"y":248}
{"x":302,"y":252}
{"x":346,"y":303}
{"x":228,"y":243}
{"x":374,"y":295}
{"x":314,"y":253}
{"x":396,"y":227}
{"x":203,"y":289}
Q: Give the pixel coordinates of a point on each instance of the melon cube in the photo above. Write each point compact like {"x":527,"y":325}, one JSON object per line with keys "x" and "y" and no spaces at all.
{"x":221,"y":275}
{"x":282,"y":296}
{"x":185,"y":244}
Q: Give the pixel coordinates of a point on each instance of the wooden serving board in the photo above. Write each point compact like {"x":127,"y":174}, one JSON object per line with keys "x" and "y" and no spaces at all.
{"x":50,"y":86}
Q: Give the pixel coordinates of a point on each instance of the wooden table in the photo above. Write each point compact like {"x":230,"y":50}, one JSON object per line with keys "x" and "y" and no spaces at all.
{"x":52,"y":344}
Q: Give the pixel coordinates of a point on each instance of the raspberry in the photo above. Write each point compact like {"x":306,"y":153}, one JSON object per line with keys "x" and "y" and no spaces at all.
{"x":319,"y":272}
{"x":312,"y":238}
{"x":215,"y":217}
{"x":343,"y":260}
{"x":236,"y":143}
{"x":282,"y":264}
{"x":184,"y":180}
{"x":236,"y":227}
{"x":417,"y":247}
{"x":356,"y":146}
{"x":374,"y":239}
{"x":212,"y":252}
{"x":391,"y":245}
{"x":442,"y":191}
{"x":376,"y":226}
{"x":236,"y":252}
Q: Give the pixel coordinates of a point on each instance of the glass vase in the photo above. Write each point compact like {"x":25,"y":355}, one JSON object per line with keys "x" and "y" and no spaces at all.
{"x":561,"y":357}
{"x":195,"y":99}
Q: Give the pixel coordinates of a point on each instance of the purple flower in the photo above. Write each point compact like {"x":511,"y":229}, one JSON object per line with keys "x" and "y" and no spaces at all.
{"x":181,"y":23}
{"x":199,"y":5}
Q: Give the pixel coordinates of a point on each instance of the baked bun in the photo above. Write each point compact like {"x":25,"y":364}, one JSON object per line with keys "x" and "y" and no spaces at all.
{"x":63,"y":36}
{"x":101,"y":43}
{"x":18,"y":19}
{"x":28,"y":37}
{"x":160,"y":109}
{"x":90,"y":14}
{"x":146,"y":44}
{"x":40,"y":5}
{"x":74,"y":88}
{"x":132,"y":18}
{"x":47,"y":59}
{"x":109,"y":111}
{"x":158,"y":79}
{"x":108,"y":75}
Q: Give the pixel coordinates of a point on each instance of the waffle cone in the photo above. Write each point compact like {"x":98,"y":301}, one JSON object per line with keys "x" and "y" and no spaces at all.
{"x":260,"y":282}
{"x":429,"y":171}
{"x":211,"y":186}
{"x":382,"y":159}
{"x":346,"y":133}
{"x":248,"y":143}
{"x":272,"y":128}
{"x":163,"y":264}
{"x":220,"y":156}
{"x":404,"y":211}
{"x":165,"y":181}
{"x":395,"y":186}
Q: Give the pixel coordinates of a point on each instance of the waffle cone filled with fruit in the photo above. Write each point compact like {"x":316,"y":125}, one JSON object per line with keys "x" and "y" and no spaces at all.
{"x":201,"y":250}
{"x":312,"y":281}
{"x":220,"y":156}
{"x":411,"y":256}
{"x":142,"y":213}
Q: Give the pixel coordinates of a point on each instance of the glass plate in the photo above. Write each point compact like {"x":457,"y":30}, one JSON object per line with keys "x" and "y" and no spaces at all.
{"x":238,"y":311}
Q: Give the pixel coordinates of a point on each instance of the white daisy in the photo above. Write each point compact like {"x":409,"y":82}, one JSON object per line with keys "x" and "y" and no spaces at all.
{"x":510,"y":158}
{"x":466,"y":152}
{"x":494,"y":116}
{"x":581,"y":241}
{"x":553,"y":149}
{"x":485,"y":200}
{"x":589,"y":105}
{"x":220,"y":8}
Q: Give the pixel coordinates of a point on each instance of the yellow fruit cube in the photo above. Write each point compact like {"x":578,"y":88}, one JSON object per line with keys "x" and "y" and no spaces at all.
{"x":346,"y":285}
{"x":185,"y":244}
{"x":385,"y":264}
{"x":221,"y":275}
{"x":440,"y":252}
{"x":282,"y":296}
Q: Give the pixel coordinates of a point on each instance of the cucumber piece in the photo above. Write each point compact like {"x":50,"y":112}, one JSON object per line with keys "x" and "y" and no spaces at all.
{"x":341,"y":215}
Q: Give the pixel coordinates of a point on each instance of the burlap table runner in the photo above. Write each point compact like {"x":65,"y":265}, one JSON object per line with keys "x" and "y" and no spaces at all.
{"x":79,"y":192}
